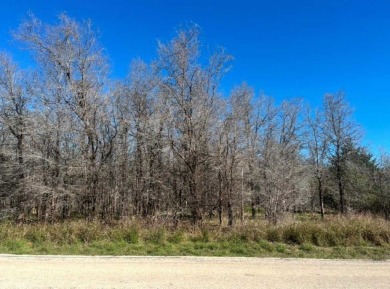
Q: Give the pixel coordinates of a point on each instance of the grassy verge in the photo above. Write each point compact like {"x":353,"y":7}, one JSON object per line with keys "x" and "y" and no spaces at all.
{"x":353,"y":237}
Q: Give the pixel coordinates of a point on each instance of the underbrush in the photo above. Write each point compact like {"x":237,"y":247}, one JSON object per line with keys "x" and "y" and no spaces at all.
{"x":336,"y":237}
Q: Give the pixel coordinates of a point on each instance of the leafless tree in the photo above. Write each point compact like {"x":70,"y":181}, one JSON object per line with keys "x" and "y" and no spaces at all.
{"x":190,"y":92}
{"x":339,"y":130}
{"x":14,"y":114}
{"x":281,"y":164}
{"x":383,"y":182}
{"x":71,"y":57}
{"x":318,"y":147}
{"x":163,"y":142}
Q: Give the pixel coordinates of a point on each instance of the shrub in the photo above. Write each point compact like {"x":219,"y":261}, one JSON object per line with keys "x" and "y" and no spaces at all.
{"x":273,"y":234}
{"x":131,"y":235}
{"x":156,"y":236}
{"x":291,"y":235}
{"x":176,"y":237}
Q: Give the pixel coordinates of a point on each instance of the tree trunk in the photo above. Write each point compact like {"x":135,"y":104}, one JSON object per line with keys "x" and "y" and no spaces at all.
{"x":20,"y":156}
{"x":220,"y":198}
{"x":321,"y":198}
{"x":230,"y":213}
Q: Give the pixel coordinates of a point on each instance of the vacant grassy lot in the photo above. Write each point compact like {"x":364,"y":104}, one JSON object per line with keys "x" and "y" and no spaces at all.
{"x":348,"y":237}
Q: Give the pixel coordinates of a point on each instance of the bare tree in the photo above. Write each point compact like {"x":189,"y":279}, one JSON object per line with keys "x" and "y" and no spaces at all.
{"x":383,"y":182}
{"x":282,"y":169}
{"x":339,"y":129}
{"x":14,"y":115}
{"x":190,"y":91}
{"x":164,"y":142}
{"x":143,"y":127}
{"x":229,"y":162}
{"x":69,"y":53}
{"x":318,"y":147}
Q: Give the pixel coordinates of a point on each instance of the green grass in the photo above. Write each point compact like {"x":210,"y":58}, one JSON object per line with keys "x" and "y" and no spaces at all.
{"x":353,"y":237}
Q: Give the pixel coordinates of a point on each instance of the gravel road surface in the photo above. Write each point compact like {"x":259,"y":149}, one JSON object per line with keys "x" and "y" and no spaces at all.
{"x":188,"y":272}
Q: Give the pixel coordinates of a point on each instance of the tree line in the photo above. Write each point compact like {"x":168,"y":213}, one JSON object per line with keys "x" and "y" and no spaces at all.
{"x":165,"y":142}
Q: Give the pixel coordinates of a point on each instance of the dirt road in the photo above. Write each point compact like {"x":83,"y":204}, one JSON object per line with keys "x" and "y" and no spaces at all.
{"x":188,"y":272}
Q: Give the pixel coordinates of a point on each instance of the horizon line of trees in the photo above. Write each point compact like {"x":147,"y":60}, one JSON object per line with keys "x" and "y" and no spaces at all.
{"x":164,"y":142}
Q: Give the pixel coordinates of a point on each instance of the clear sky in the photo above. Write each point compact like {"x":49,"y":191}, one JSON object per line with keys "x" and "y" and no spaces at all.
{"x":282,"y":48}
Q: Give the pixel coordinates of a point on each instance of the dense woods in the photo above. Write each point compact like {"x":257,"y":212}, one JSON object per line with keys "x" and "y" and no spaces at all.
{"x":165,"y":142}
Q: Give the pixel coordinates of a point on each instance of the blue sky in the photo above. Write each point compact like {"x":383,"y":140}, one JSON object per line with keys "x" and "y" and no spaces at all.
{"x":282,"y":48}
